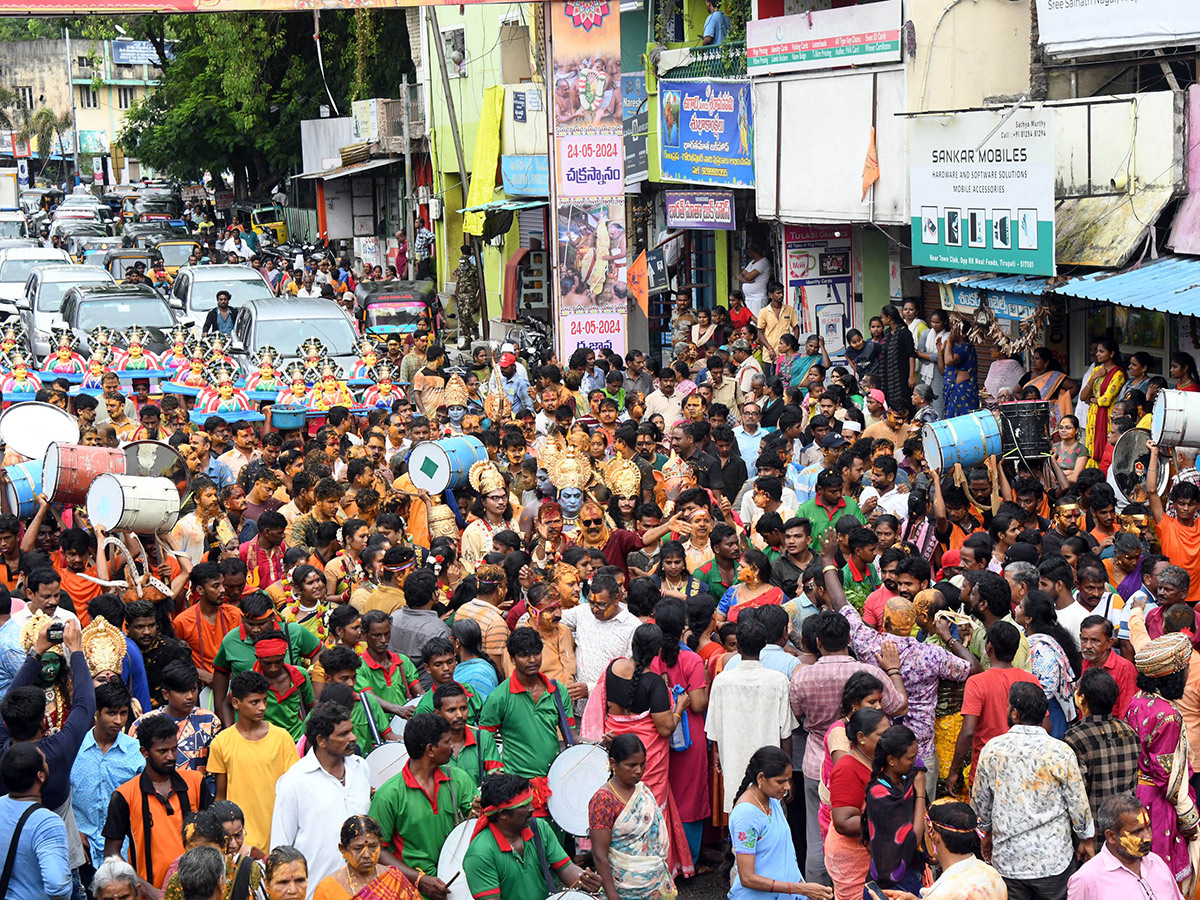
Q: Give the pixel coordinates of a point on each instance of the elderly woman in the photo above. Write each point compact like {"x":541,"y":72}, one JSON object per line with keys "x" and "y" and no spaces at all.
{"x":115,"y":880}
{"x":363,"y":878}
{"x":287,"y":874}
{"x":1163,"y":768}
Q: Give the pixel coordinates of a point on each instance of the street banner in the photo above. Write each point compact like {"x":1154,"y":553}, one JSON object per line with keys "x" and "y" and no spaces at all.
{"x":981,"y":188}
{"x":820,"y":284}
{"x":710,"y":210}
{"x":1081,"y":27}
{"x":823,"y":38}
{"x":706,"y":132}
{"x":589,"y":176}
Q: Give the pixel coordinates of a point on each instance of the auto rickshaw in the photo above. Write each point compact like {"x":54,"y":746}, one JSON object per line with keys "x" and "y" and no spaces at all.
{"x":121,"y":262}
{"x":86,"y":249}
{"x":398,"y":307}
{"x":261,"y":217}
{"x":175,"y":253}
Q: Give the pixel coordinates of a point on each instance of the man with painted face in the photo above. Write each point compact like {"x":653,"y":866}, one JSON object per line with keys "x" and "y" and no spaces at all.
{"x":1179,"y":536}
{"x":1125,"y":866}
{"x":1068,"y":521}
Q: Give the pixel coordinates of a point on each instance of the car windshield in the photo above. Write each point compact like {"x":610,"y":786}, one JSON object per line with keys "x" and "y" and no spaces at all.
{"x":241,"y":291}
{"x":336,"y":333}
{"x":175,"y":254}
{"x":120,"y":311}
{"x":19,"y":269}
{"x":12,"y":229}
{"x":267,"y":214}
{"x":52,"y":292}
{"x":122,"y":265}
{"x":397,"y":315}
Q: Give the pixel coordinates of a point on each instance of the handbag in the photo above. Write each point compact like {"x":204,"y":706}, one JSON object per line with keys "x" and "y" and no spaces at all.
{"x":681,"y":737}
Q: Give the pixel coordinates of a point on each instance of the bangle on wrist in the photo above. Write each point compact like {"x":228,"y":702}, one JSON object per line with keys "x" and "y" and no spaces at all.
{"x":893,"y":671}
{"x":829,"y":569}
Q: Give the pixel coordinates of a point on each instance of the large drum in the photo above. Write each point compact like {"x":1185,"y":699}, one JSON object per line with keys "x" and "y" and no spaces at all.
{"x":29,"y":428}
{"x":1174,"y":421}
{"x":575,"y":775}
{"x":450,"y":861}
{"x":1025,"y":429}
{"x":133,"y":503}
{"x":385,"y":762}
{"x":68,"y":470}
{"x":155,"y":459}
{"x":437,"y":465}
{"x":24,"y":485}
{"x":1131,"y":465}
{"x":967,"y":440}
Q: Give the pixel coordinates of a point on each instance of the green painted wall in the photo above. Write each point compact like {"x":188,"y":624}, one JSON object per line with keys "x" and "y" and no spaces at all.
{"x":875,"y":284}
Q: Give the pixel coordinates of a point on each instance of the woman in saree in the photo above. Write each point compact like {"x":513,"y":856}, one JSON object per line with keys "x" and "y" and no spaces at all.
{"x":684,"y":671}
{"x":789,"y":352}
{"x":846,"y":856}
{"x":960,"y":379}
{"x":630,"y":698}
{"x":1054,"y":659}
{"x":307,"y":607}
{"x":1051,"y":382}
{"x":1100,"y":393}
{"x":704,"y":330}
{"x":1183,"y":370}
{"x":753,"y":587}
{"x":1125,"y":565}
{"x":1163,"y":769}
{"x":627,"y":829}
{"x":362,"y":878}
{"x":1137,"y":373}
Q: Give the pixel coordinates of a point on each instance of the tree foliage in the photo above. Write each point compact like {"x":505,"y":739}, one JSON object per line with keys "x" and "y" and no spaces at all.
{"x":233,"y":97}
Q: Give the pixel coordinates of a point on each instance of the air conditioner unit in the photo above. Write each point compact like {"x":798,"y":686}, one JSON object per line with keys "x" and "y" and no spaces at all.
{"x":435,"y":208}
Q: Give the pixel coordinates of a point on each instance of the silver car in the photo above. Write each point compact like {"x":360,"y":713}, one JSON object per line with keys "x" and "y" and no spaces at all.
{"x":194,"y":291}
{"x":44,"y":292}
{"x":16,"y":263}
{"x":285,"y":323}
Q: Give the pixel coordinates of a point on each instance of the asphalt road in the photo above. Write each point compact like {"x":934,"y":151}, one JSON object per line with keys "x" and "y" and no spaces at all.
{"x":703,"y":887}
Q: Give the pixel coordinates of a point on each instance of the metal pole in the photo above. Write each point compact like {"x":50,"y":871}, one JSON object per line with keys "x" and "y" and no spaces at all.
{"x":71,"y":88}
{"x":431,"y":12}
{"x":408,"y":190}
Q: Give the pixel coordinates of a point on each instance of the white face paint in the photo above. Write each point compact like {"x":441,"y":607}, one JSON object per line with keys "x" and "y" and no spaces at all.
{"x":571,"y":500}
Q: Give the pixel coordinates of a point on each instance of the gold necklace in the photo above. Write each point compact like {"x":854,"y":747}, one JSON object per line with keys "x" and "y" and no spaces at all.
{"x":754,"y":799}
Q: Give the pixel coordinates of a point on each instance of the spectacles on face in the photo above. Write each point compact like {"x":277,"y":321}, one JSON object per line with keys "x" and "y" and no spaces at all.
{"x":591,"y":521}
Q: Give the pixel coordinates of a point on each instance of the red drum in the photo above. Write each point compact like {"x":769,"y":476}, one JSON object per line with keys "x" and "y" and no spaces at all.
{"x":72,"y":468}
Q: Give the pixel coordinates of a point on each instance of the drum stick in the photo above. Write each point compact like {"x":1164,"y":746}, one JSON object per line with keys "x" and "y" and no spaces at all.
{"x":453,"y":878}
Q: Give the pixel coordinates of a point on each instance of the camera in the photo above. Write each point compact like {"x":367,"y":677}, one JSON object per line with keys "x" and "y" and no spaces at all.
{"x":54,"y":633}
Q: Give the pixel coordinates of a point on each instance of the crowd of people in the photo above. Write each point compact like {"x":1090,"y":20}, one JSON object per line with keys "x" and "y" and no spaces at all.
{"x":819,"y":667}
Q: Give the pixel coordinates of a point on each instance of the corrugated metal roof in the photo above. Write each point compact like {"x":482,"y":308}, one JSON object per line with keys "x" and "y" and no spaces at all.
{"x":1170,"y":284}
{"x":1012,"y":284}
{"x":1105,"y":231}
{"x":352,"y":169}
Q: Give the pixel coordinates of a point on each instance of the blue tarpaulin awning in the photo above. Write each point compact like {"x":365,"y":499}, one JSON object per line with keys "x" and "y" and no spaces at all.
{"x":1170,"y":285}
{"x":1011,"y":284}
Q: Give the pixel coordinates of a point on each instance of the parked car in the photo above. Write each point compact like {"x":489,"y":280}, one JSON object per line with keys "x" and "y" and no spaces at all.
{"x":194,"y":292}
{"x":117,"y":306}
{"x":16,"y":264}
{"x":44,"y":293}
{"x":13,"y":224}
{"x":286,"y":323}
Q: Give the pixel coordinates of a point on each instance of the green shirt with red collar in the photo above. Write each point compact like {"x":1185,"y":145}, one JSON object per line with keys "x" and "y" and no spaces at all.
{"x":416,"y":824}
{"x":709,"y":575}
{"x":289,"y":709}
{"x":479,"y":755}
{"x":823,"y":518}
{"x":529,"y":731}
{"x":858,"y":584}
{"x":474,"y":704}
{"x":495,"y":870}
{"x":393,"y":682}
{"x":236,"y":653}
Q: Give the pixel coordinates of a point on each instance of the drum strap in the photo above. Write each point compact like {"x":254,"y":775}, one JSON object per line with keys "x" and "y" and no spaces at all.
{"x":563,"y":723}
{"x":362,"y":698}
{"x":551,"y":884}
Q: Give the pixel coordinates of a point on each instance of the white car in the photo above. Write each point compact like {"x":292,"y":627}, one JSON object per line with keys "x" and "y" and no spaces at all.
{"x":194,"y":291}
{"x":44,"y":293}
{"x":16,"y":265}
{"x":13,"y":224}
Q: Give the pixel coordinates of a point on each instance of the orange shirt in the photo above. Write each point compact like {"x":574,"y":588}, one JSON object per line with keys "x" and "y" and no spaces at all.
{"x":1181,"y":545}
{"x":205,"y":637}
{"x":80,"y":590}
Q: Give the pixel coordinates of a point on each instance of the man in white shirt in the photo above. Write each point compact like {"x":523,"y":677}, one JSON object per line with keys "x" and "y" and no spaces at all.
{"x":315,"y":796}
{"x":754,"y":278}
{"x":664,"y":401}
{"x":603,"y":631}
{"x":749,"y":435}
{"x":883,"y":477}
{"x":309,"y":288}
{"x":747,"y":365}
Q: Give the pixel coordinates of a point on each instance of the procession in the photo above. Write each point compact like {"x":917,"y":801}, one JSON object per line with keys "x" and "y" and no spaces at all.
{"x":548,"y":451}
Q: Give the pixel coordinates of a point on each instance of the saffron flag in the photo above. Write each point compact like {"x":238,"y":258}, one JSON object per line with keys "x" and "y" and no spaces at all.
{"x":870,"y":167}
{"x":639,"y":283}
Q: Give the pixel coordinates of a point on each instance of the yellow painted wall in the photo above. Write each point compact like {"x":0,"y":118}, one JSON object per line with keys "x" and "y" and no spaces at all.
{"x":980,"y":50}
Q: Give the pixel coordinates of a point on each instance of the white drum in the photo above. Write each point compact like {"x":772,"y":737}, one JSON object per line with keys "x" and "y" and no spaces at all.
{"x":133,"y":503}
{"x":450,"y":861}
{"x":385,"y":762}
{"x":30,"y":428}
{"x":1174,"y":421}
{"x":399,"y":723}
{"x":572,"y":894}
{"x":575,"y":775}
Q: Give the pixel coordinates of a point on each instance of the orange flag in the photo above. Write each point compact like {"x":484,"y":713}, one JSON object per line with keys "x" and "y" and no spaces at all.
{"x":637,"y":279}
{"x":870,"y":167}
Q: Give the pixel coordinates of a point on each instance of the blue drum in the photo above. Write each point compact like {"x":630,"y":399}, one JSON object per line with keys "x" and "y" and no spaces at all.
{"x":967,"y":440}
{"x":437,"y":465}
{"x":24,"y":485}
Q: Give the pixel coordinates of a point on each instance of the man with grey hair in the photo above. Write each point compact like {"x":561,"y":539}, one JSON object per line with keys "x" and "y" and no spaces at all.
{"x":1125,"y":863}
{"x":115,"y":880}
{"x":202,"y":874}
{"x":1022,"y":577}
{"x":1174,"y":582}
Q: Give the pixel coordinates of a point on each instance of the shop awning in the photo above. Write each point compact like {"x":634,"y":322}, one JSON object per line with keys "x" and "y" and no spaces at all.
{"x":1105,"y":231}
{"x":352,"y":169}
{"x":1170,"y":284}
{"x":1011,"y":284}
{"x":499,"y":205}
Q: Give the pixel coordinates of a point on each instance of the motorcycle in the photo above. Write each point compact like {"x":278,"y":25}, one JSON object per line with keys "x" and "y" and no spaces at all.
{"x":532,"y":340}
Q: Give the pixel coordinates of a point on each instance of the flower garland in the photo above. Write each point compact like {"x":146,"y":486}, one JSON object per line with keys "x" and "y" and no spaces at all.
{"x":292,"y":612}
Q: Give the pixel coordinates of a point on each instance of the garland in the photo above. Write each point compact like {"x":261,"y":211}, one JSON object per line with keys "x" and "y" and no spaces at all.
{"x":983,"y":327}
